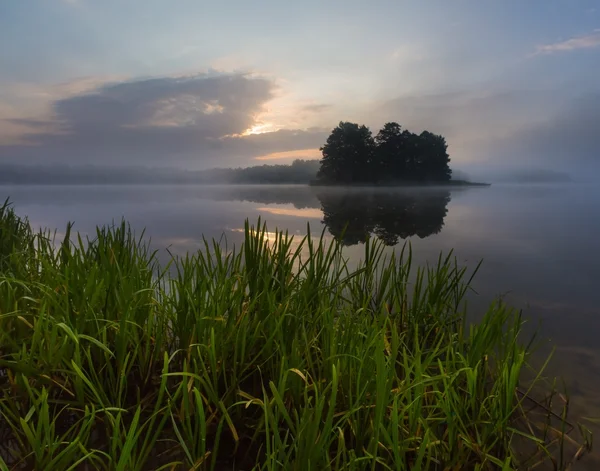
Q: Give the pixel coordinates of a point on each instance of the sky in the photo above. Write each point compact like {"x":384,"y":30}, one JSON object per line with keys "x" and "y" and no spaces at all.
{"x":201,"y":84}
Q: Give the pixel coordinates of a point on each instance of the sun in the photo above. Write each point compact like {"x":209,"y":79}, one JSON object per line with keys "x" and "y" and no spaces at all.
{"x":259,"y":128}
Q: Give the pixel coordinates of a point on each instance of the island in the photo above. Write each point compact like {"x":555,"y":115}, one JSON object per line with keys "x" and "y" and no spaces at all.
{"x":394,"y":157}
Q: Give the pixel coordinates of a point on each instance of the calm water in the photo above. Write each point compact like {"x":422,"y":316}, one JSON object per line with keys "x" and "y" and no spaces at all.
{"x":540,"y":245}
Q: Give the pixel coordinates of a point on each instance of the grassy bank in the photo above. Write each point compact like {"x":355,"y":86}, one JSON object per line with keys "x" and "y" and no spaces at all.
{"x":273,"y":355}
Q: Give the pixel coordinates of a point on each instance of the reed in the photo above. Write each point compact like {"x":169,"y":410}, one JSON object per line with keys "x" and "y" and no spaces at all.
{"x":274,"y":355}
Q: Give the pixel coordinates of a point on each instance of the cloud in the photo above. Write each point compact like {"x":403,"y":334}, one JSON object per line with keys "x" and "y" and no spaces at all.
{"x":568,"y":139}
{"x":468,"y":119}
{"x":214,"y":105}
{"x":288,"y":140}
{"x":507,"y":128}
{"x":581,"y":42}
{"x":194,"y":121}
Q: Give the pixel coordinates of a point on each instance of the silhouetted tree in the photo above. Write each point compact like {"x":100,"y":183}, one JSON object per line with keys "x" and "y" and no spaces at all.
{"x":351,"y":155}
{"x":433,"y":158}
{"x":391,"y":150}
{"x":348,"y":155}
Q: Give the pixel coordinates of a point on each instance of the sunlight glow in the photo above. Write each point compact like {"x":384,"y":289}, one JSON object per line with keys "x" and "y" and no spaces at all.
{"x":307,"y":154}
{"x":301,"y":213}
{"x":260,"y":128}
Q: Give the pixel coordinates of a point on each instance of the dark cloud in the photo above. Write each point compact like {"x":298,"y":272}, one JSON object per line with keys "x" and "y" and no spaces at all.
{"x":214,"y":105}
{"x":194,"y":122}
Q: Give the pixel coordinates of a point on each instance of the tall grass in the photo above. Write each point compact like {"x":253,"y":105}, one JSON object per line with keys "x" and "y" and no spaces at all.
{"x":273,"y":355}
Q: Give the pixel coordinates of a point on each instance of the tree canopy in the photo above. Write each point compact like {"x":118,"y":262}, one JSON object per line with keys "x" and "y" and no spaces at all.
{"x":352,"y":155}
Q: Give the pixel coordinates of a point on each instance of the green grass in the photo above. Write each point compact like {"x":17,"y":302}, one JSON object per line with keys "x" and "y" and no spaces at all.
{"x":274,"y":355}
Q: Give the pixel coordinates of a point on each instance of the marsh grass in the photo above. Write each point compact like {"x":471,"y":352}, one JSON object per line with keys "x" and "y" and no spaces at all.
{"x":273,"y":355}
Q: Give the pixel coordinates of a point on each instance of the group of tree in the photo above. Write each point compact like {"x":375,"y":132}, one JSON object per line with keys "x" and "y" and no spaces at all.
{"x":298,"y":172}
{"x":352,"y":155}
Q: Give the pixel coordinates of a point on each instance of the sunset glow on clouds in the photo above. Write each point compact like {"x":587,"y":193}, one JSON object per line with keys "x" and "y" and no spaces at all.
{"x":199,"y":85}
{"x":292,"y":154}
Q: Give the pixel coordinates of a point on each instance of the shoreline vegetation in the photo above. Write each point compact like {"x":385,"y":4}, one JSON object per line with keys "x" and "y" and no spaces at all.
{"x":274,"y":355}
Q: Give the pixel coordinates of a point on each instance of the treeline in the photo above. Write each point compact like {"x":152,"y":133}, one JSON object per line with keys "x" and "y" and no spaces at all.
{"x":299,"y":172}
{"x":352,"y":155}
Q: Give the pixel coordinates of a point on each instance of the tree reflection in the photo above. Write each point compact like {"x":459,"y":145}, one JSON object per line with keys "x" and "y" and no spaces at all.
{"x":352,"y":216}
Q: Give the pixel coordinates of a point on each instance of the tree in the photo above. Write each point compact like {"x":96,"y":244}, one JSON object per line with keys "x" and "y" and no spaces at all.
{"x":348,"y":155}
{"x":404,"y":156}
{"x":391,"y":151}
{"x":433,"y":158}
{"x":411,"y":157}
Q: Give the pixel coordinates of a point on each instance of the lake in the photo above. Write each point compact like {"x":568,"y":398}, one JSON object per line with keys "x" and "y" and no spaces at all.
{"x":539,"y":244}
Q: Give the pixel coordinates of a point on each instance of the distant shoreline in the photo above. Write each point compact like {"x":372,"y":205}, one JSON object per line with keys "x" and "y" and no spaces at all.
{"x":451,"y":183}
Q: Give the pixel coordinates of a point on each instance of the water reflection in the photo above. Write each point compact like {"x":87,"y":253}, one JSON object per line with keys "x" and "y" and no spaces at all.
{"x":299,"y":196}
{"x":348,"y":214}
{"x":352,"y":216}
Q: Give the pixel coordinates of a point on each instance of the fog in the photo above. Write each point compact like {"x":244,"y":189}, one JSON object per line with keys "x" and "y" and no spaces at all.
{"x":299,"y":172}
